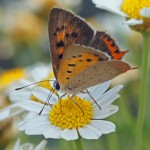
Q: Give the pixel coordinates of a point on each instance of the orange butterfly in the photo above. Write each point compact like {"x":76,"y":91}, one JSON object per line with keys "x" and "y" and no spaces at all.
{"x":81,"y":58}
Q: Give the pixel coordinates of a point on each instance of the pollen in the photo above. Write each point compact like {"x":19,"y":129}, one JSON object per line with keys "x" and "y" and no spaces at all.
{"x":70,"y":114}
{"x":132,"y":9}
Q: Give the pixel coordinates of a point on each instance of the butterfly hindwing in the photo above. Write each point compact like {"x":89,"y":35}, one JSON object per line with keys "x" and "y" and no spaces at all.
{"x":65,"y":28}
{"x":105,"y":43}
{"x":98,"y":73}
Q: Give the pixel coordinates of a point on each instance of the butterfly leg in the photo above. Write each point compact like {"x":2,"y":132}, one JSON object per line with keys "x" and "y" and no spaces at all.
{"x":71,"y":98}
{"x":93,"y":99}
{"x":47,"y":101}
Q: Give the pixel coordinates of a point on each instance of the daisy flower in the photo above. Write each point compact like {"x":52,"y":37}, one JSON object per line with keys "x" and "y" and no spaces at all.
{"x":71,"y":119}
{"x":137,"y":13}
{"x":9,"y":76}
{"x":29,"y":146}
{"x":36,"y":73}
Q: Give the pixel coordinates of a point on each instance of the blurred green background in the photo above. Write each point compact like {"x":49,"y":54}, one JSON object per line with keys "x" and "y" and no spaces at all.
{"x":24,"y":42}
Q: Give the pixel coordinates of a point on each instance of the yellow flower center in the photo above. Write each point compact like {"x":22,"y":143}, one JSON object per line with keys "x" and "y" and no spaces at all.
{"x":70,"y":114}
{"x":132,"y":9}
{"x":9,"y":76}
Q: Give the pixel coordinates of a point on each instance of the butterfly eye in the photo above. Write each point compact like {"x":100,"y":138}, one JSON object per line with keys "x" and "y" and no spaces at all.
{"x":56,"y":85}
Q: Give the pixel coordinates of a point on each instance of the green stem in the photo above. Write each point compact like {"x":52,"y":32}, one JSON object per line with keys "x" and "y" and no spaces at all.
{"x":79,"y":144}
{"x":144,"y":91}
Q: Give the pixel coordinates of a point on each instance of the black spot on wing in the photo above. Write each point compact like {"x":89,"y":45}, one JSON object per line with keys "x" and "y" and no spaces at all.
{"x":71,"y":65}
{"x":60,"y":56}
{"x":74,"y":56}
{"x":113,"y":44}
{"x":117,"y":51}
{"x":89,"y":60}
{"x":60,"y":44}
{"x":68,"y":71}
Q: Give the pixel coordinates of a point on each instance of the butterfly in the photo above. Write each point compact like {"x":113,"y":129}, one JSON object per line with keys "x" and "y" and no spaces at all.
{"x":81,"y":57}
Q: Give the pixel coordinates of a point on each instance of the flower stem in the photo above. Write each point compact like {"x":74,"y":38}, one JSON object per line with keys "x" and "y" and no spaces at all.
{"x":79,"y":144}
{"x":144,"y":91}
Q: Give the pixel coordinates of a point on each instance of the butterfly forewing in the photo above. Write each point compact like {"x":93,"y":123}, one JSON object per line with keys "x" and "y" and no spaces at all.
{"x":83,"y":67}
{"x":65,"y":28}
{"x":76,"y":59}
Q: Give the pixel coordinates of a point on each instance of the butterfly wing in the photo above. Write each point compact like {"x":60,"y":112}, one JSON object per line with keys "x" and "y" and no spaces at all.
{"x":105,"y":43}
{"x":66,"y":28}
{"x":99,"y":72}
{"x":82,"y":67}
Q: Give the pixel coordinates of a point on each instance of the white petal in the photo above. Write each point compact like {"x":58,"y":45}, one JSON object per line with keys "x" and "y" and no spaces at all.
{"x":37,"y":129}
{"x":17,"y":145}
{"x":110,"y":5}
{"x":52,"y":82}
{"x":41,"y":146}
{"x":40,"y":72}
{"x":134,"y":21}
{"x":108,"y":97}
{"x":43,"y":93}
{"x":10,"y":111}
{"x":34,"y":106}
{"x":108,"y":100}
{"x":27,"y":146}
{"x":69,"y":134}
{"x":38,"y":119}
{"x":52,"y":132}
{"x":98,"y":90}
{"x":105,"y":112}
{"x":104,"y":126}
{"x":145,"y":12}
{"x":20,"y":95}
{"x":89,"y":132}
{"x":37,"y":125}
{"x":23,"y":124}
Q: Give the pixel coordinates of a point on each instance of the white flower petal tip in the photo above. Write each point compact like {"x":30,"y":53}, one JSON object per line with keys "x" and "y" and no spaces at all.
{"x":41,"y":146}
{"x":17,"y":145}
{"x":89,"y":132}
{"x":113,"y":6}
{"x":69,"y":134}
{"x":10,"y":111}
{"x":28,"y":146}
{"x":104,"y":126}
{"x":105,"y":112}
{"x":134,"y":22}
{"x":145,"y":12}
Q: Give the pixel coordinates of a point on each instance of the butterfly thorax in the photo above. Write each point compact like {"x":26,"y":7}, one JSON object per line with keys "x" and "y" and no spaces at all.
{"x":67,"y":88}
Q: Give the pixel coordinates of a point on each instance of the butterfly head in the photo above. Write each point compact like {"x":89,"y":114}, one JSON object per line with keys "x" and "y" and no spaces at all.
{"x":56,"y":85}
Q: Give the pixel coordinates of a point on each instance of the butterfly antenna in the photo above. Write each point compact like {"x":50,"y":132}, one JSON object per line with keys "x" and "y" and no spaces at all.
{"x":20,"y":88}
{"x":93,"y":99}
{"x":76,"y":103}
{"x":47,"y":101}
